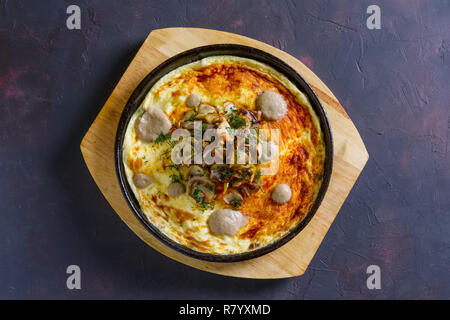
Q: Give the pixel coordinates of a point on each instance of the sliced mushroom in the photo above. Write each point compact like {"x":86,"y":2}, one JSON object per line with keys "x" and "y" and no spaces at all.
{"x":272,"y":105}
{"x":189,"y":115}
{"x":221,"y":172}
{"x":246,"y":173}
{"x":233,"y":198}
{"x":142,"y":180}
{"x":247,"y":189}
{"x":206,"y":109}
{"x":194,"y":171}
{"x":208,"y":126}
{"x":281,"y":194}
{"x":236,"y":180}
{"x":212,"y":118}
{"x":188,"y":120}
{"x":176,"y":189}
{"x":251,"y":116}
{"x":189,"y":125}
{"x":226,"y":222}
{"x":201,"y":187}
{"x":229,"y":106}
{"x":193,"y":100}
{"x":151,"y":124}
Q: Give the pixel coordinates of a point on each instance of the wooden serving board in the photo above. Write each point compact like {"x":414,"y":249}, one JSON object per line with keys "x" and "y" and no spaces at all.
{"x":293,"y":258}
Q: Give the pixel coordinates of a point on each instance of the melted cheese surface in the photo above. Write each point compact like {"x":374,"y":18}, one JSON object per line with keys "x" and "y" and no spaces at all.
{"x":218,"y":80}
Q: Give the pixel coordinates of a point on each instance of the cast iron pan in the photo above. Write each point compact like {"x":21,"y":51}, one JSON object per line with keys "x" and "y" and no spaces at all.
{"x":190,"y":56}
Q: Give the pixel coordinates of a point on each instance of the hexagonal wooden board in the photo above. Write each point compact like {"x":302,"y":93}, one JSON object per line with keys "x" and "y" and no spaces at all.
{"x":293,"y":258}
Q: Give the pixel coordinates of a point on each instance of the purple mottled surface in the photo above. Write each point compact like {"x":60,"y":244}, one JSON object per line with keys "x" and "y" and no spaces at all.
{"x":394,"y":83}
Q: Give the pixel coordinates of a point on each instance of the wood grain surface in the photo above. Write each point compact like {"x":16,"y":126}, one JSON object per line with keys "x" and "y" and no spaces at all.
{"x":293,"y":258}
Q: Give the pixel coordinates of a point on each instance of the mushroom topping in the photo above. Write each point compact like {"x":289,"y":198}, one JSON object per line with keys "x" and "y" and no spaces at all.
{"x":201,"y":189}
{"x":234,"y":198}
{"x":229,"y":106}
{"x":207,"y":126}
{"x":193,"y":100}
{"x":248,"y":188}
{"x":212,"y":118}
{"x":269,"y":151}
{"x":189,"y":125}
{"x":188,"y":120}
{"x":194,"y":171}
{"x":206,"y":109}
{"x":226,"y":222}
{"x":189,"y":116}
{"x":281,"y":193}
{"x":151,"y":124}
{"x":176,"y":189}
{"x":272,"y":105}
{"x":251,"y":116}
{"x":221,"y":172}
{"x":142,"y":180}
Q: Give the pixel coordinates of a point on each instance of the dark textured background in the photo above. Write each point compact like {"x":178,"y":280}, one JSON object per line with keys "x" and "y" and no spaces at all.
{"x":394,"y":84}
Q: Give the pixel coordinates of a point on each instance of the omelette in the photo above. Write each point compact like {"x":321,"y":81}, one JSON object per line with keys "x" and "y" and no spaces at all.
{"x":224,"y":207}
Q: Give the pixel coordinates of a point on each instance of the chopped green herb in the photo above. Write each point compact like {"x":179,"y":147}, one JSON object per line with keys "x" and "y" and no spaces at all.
{"x":319,"y":176}
{"x":225,"y":173}
{"x":173,"y":166}
{"x":197,"y":196}
{"x":236,"y":203}
{"x":237,"y":122}
{"x":176,"y":177}
{"x":258,"y":180}
{"x":162,"y":137}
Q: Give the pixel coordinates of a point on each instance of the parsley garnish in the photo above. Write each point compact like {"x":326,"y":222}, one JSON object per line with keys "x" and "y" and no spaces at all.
{"x":193,"y":115}
{"x":224,"y":174}
{"x":236,"y":203}
{"x":165,"y":138}
{"x":173,"y":166}
{"x":204,"y":205}
{"x":258,"y":180}
{"x":196,"y":196}
{"x":237,"y":122}
{"x":176,"y":177}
